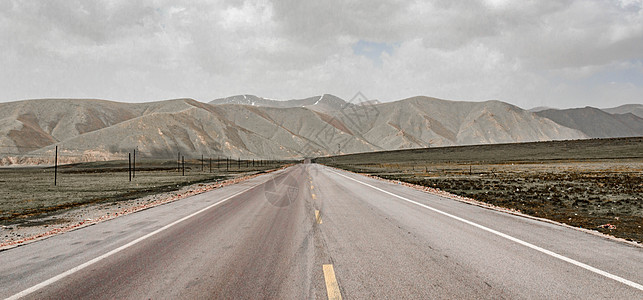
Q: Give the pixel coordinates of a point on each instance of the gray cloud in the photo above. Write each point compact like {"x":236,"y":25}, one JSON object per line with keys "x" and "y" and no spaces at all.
{"x":557,"y":53}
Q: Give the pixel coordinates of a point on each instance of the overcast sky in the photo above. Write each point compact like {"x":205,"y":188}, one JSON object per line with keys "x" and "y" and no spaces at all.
{"x":529,"y":53}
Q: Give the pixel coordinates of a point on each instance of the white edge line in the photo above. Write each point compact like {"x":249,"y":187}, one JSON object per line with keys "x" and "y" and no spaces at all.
{"x":511,"y":238}
{"x":119,"y":249}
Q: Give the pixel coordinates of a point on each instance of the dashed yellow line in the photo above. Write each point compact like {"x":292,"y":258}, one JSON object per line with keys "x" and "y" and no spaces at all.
{"x":314,"y":196}
{"x":318,"y":217}
{"x":332,"y":288}
{"x":312,"y":186}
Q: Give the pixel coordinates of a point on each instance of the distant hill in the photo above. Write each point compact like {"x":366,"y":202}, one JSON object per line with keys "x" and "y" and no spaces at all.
{"x":596,"y":123}
{"x":635,"y":109}
{"x":539,"y":108}
{"x":254,"y":127}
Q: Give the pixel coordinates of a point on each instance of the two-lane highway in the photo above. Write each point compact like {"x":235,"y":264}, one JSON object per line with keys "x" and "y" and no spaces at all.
{"x":314,"y":232}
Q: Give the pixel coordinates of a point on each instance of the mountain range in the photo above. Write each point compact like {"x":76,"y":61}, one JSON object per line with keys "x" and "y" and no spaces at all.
{"x":597,"y":123}
{"x":248,"y":126}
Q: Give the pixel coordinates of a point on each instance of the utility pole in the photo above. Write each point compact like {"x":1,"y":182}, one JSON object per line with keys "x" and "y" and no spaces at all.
{"x":56,"y":168}
{"x":129,"y":165}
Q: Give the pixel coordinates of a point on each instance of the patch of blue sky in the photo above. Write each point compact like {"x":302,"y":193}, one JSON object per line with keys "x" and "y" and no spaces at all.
{"x":373,"y":50}
{"x":632,"y":75}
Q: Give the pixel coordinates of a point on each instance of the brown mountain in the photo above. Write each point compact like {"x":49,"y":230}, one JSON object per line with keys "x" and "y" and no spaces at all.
{"x":321,"y":125}
{"x":31,"y":124}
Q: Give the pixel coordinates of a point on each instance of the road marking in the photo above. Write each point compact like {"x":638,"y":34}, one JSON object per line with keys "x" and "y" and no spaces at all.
{"x":314,"y":196}
{"x":318,"y":217}
{"x":119,"y":249}
{"x":332,"y":288}
{"x":312,"y":186}
{"x":511,"y":238}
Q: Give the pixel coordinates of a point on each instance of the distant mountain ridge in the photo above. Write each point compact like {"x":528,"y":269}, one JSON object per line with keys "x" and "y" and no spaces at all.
{"x":635,"y":109}
{"x":596,"y":123}
{"x":253,"y":127}
{"x":323,"y":102}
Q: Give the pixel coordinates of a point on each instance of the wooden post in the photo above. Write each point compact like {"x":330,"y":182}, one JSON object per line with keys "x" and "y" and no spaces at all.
{"x":227,"y":164}
{"x":218,"y":162}
{"x":210,"y":164}
{"x":134,"y":165}
{"x":129,"y":165}
{"x":202,"y":163}
{"x":239,"y":163}
{"x":183,"y":162}
{"x":178,"y":162}
{"x":56,"y":167}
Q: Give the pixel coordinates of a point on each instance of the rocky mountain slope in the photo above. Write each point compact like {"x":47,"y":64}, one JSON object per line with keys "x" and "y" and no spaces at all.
{"x":32,"y":124}
{"x":596,"y":123}
{"x":254,"y":127}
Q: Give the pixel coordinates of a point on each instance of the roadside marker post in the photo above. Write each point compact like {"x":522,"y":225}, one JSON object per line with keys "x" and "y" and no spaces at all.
{"x":129,"y":165}
{"x":183,"y":162}
{"x":134,"y":165}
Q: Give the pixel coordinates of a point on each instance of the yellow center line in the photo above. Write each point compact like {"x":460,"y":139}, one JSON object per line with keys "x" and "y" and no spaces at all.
{"x":318,"y":217}
{"x":332,"y":288}
{"x":312,"y":186}
{"x":314,"y":196}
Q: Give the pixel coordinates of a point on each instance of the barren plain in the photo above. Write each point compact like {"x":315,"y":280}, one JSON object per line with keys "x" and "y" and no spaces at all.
{"x":593,"y":184}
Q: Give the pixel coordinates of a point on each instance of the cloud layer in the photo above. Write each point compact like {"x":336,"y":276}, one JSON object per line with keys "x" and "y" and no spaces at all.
{"x":530,"y":53}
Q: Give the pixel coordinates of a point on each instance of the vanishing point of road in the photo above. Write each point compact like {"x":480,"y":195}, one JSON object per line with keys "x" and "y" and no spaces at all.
{"x":310,"y":231}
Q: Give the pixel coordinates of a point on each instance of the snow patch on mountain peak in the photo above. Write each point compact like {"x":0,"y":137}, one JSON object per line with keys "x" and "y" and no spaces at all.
{"x":320,"y":99}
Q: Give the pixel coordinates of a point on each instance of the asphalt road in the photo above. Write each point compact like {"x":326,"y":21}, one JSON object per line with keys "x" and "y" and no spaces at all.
{"x":314,"y":232}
